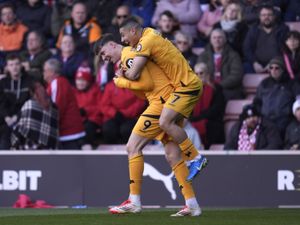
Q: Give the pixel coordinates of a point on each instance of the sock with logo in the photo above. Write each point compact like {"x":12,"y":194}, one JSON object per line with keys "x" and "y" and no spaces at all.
{"x":188,"y":150}
{"x":192,"y":203}
{"x":181,"y":172}
{"x":136,"y":169}
{"x":135,"y":199}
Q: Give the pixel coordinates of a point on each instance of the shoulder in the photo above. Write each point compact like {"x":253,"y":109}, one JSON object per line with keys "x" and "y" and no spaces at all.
{"x":150,"y":33}
{"x":266,"y":82}
{"x":93,"y":22}
{"x":126,"y":50}
{"x":28,"y":104}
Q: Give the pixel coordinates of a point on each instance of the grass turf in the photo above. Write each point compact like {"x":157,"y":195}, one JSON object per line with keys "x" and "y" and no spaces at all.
{"x":95,"y":216}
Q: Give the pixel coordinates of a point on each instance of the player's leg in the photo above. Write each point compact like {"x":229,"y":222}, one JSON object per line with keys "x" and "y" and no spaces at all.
{"x":173,"y":156}
{"x":175,"y":109}
{"x":134,"y":148}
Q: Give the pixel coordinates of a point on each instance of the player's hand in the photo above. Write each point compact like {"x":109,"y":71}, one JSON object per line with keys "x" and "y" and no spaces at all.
{"x":258,"y":67}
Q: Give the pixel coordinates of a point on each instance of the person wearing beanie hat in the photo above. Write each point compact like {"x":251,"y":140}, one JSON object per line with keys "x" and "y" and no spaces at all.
{"x":84,"y":72}
{"x":296,"y":106}
{"x":253,"y":132}
{"x":83,"y":78}
{"x":249,"y":111}
{"x":276,"y":94}
{"x":88,"y":97}
{"x":292,"y":134}
{"x":277,"y":61}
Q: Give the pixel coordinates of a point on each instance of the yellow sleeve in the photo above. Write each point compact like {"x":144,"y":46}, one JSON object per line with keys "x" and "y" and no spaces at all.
{"x":145,"y":82}
{"x":122,"y":82}
{"x":147,"y":43}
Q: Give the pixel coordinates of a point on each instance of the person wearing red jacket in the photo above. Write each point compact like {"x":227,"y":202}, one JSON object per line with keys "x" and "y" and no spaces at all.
{"x":120,"y":109}
{"x":207,"y":116}
{"x":71,"y":131}
{"x":88,"y":96}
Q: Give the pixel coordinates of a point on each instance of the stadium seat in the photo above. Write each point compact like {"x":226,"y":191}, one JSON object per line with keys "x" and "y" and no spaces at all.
{"x":216,"y":147}
{"x":251,"y":82}
{"x":293,"y":25}
{"x":232,"y":112}
{"x":234,"y":108}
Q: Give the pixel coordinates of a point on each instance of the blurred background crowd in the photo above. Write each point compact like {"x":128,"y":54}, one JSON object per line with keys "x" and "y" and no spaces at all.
{"x":56,"y":94}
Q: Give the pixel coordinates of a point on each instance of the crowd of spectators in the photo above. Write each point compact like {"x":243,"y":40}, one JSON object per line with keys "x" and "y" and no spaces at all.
{"x":47,"y":66}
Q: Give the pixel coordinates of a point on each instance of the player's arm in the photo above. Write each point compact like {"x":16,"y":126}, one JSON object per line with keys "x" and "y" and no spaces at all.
{"x":135,"y":71}
{"x":145,"y":82}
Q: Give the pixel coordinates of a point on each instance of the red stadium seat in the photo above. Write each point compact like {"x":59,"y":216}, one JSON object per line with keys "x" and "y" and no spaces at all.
{"x":234,"y":108}
{"x":216,"y":147}
{"x":293,"y":25}
{"x":232,"y":112}
{"x":251,"y":82}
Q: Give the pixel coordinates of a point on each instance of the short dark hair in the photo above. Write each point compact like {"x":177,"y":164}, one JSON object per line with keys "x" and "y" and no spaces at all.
{"x":7,"y":5}
{"x":12,"y":56}
{"x":131,"y":22}
{"x":105,"y":38}
{"x":81,"y":2}
{"x":168,"y":14}
{"x":267,"y":7}
{"x":294,"y":34}
{"x":40,"y":36}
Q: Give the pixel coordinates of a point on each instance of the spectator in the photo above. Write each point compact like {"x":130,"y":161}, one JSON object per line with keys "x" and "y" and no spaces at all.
{"x":122,"y":13}
{"x":167,"y":25}
{"x":191,"y":132}
{"x":251,"y":11}
{"x":83,"y":29}
{"x":233,"y":26}
{"x":292,"y":134}
{"x":12,"y":31}
{"x":69,"y":58}
{"x":61,"y":11}
{"x":291,"y":54}
{"x":71,"y":131}
{"x":14,"y":92}
{"x":224,"y":64}
{"x":104,"y":11}
{"x":88,"y":97}
{"x":35,"y":15}
{"x":37,"y":127}
{"x":209,"y":18}
{"x":187,"y":13}
{"x":208,"y":113}
{"x":120,"y":109}
{"x":36,"y":54}
{"x":105,"y":72}
{"x":276,"y":95}
{"x":184,"y":43}
{"x":143,"y":9}
{"x":253,"y":132}
{"x":292,"y":12}
{"x":263,"y":41}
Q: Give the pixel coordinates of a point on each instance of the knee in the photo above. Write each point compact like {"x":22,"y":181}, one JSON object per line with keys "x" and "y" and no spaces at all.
{"x":164,"y":123}
{"x":172,"y":159}
{"x":132,"y":149}
{"x":168,"y":157}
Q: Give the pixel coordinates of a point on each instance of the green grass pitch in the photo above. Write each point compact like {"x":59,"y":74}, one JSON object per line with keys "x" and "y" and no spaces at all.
{"x":94,"y":216}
